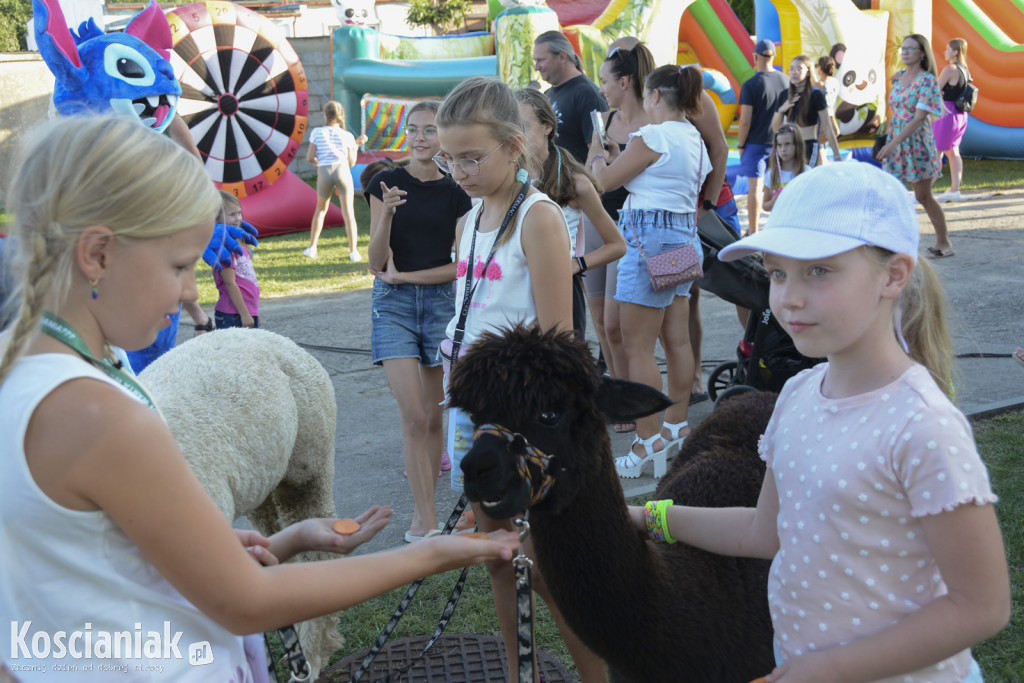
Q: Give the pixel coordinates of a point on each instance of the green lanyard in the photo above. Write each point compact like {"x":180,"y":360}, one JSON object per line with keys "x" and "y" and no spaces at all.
{"x":63,"y":332}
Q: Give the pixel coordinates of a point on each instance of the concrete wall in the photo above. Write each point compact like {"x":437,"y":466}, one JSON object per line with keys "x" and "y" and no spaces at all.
{"x":315,"y":55}
{"x":26,"y":86}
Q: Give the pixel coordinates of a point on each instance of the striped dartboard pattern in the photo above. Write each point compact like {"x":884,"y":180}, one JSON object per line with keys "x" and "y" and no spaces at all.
{"x":244,"y":93}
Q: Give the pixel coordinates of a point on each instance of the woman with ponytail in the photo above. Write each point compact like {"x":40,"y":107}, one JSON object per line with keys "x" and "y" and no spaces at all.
{"x":663,"y":167}
{"x":573,"y":188}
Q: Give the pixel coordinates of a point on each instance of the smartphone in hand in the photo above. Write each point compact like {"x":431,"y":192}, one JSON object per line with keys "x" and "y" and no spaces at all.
{"x":598,"y":121}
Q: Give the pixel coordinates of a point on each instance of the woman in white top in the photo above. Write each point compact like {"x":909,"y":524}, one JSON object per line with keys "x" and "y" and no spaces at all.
{"x":663,"y":167}
{"x":333,"y":149}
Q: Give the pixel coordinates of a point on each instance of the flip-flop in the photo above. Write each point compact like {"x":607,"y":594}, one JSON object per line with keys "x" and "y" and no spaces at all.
{"x":933,"y":253}
{"x":410,"y":538}
{"x":698,"y":398}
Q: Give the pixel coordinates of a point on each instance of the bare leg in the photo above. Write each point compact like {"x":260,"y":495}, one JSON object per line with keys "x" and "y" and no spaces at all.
{"x":956,"y":168}
{"x":641,"y":325}
{"x":317,"y":224}
{"x":675,"y":339}
{"x":923,"y":194}
{"x":590,"y":667}
{"x":348,"y":213}
{"x":754,"y":200}
{"x":696,"y":338}
{"x":596,"y":304}
{"x":421,"y":436}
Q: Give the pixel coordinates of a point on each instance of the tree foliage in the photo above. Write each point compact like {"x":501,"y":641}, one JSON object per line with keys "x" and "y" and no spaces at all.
{"x":442,"y":15}
{"x":13,"y":15}
{"x":744,"y":9}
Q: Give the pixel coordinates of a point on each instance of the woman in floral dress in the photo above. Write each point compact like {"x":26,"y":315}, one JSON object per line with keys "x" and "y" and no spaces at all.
{"x":910,"y":154}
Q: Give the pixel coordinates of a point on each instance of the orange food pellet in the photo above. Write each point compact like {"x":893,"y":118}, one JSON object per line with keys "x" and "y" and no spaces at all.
{"x":479,"y":535}
{"x":346,"y":527}
{"x":762,"y":679}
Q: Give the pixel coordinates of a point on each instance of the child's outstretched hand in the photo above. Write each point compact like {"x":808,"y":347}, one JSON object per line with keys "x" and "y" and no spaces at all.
{"x":319,"y":534}
{"x":257,"y":546}
{"x":453,"y":552}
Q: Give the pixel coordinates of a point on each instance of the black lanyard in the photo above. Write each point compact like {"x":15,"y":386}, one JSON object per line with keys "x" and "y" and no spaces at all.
{"x":470,"y":286}
{"x":60,"y":330}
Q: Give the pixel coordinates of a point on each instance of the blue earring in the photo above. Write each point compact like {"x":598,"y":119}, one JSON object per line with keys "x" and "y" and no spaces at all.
{"x":95,"y":288}
{"x":522,"y":176}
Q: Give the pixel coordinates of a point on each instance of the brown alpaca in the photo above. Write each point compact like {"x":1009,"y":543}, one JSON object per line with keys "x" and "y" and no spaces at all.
{"x":653,"y":611}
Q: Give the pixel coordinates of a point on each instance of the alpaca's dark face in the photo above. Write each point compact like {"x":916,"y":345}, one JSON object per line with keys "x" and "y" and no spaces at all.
{"x":546,"y":388}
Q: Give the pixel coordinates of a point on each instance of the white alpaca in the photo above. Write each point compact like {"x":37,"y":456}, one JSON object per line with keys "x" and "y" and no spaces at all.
{"x":255,"y":416}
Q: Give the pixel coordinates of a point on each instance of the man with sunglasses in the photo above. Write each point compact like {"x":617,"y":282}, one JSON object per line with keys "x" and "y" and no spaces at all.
{"x":760,"y":97}
{"x":572,"y":95}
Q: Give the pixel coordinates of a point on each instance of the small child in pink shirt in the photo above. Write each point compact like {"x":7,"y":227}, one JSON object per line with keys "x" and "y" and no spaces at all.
{"x":239,"y":302}
{"x":888,"y":562}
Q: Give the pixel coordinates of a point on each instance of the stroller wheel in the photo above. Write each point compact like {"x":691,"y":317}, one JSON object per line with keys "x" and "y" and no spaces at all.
{"x":733,"y":391}
{"x":721,"y":378}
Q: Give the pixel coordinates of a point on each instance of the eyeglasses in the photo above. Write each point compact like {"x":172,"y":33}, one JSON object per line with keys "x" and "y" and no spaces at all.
{"x":909,"y":49}
{"x":429,"y":133}
{"x":468,"y":166}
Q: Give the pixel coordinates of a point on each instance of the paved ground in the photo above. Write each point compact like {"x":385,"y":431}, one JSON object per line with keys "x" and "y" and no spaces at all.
{"x":985,"y":281}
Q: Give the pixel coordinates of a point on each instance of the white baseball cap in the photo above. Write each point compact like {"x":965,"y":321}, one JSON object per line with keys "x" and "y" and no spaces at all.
{"x":832,"y":209}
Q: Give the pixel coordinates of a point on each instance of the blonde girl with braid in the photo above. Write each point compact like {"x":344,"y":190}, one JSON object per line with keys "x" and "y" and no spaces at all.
{"x":104,"y":527}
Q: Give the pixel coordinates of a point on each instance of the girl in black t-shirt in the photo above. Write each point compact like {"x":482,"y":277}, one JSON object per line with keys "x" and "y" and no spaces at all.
{"x":413,"y":211}
{"x":806,"y":106}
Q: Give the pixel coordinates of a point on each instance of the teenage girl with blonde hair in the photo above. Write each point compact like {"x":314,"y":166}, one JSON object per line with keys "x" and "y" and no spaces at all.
{"x":97,"y":505}
{"x":333,"y":149}
{"x":513,"y":266}
{"x":876,"y":509}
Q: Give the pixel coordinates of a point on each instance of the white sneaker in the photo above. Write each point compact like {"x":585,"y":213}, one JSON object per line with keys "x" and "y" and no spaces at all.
{"x":354,"y":256}
{"x":949,"y":196}
{"x":310,"y":252}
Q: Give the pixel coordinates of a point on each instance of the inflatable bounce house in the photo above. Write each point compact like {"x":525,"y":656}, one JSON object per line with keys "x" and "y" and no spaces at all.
{"x":239,"y":86}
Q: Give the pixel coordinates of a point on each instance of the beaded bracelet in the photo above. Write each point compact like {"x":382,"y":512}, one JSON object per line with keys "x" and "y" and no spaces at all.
{"x":657,"y":524}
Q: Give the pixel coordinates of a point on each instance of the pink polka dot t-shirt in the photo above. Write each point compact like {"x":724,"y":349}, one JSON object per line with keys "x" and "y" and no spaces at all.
{"x":854,"y":477}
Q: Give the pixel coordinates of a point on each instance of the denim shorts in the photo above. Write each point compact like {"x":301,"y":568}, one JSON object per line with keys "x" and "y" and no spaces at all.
{"x":225,"y":320}
{"x":409,"y":321}
{"x":659,"y":231}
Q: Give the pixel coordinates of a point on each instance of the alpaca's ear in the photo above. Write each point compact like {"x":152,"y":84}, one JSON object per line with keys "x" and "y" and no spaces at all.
{"x":620,"y":400}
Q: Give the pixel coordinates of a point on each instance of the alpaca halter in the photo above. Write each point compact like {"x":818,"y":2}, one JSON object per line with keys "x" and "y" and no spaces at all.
{"x":529,"y":455}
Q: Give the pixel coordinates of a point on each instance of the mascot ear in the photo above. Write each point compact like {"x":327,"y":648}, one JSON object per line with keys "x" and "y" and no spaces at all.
{"x":151,"y":27}
{"x":56,"y":44}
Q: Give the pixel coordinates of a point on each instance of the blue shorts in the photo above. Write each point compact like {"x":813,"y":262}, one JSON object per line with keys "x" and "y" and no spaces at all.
{"x":409,"y":321}
{"x":659,"y":231}
{"x":225,"y":320}
{"x":753,"y":161}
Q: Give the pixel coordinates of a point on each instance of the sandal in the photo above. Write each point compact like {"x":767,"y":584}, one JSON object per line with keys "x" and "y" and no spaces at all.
{"x":412,"y":538}
{"x":674,"y":442}
{"x":624,"y":427}
{"x":933,"y":253}
{"x":631,"y":466}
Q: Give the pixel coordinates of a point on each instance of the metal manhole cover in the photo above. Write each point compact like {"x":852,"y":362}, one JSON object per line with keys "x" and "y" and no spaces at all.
{"x":453,"y":659}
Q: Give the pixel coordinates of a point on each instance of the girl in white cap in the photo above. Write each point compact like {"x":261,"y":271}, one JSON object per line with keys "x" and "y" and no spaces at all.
{"x":888,"y":563}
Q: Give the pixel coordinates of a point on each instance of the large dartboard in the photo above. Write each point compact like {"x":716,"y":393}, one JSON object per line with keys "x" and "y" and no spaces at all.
{"x":243,"y":93}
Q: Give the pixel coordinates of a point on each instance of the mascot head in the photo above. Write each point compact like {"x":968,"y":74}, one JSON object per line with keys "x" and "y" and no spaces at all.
{"x":355,"y":12}
{"x":96,"y":72}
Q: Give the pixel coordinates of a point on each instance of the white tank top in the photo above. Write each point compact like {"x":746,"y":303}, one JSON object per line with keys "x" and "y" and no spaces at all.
{"x":76,"y":572}
{"x":504,"y":295}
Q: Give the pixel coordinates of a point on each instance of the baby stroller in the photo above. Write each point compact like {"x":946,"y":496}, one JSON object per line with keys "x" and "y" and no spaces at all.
{"x":766,"y":357}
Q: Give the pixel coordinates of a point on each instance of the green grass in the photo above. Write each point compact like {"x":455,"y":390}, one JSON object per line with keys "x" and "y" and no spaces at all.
{"x":1000,"y":441}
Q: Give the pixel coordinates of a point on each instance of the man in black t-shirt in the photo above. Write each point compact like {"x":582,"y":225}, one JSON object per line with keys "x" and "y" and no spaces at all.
{"x":572,"y":95}
{"x":760,"y":97}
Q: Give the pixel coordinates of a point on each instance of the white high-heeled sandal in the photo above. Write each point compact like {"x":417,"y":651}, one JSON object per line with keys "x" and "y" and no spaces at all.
{"x":631,"y":466}
{"x":673,"y":444}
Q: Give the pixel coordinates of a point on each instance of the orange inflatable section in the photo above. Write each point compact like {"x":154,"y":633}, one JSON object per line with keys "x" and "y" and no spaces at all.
{"x":1003,"y":14}
{"x":691,"y":32}
{"x":995,"y":72}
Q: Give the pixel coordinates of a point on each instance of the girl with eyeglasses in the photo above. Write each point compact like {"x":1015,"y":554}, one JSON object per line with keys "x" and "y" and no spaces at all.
{"x":513,"y":267}
{"x":910,"y":153}
{"x":413,"y":212}
{"x":333,"y":149}
{"x":807,"y":107}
